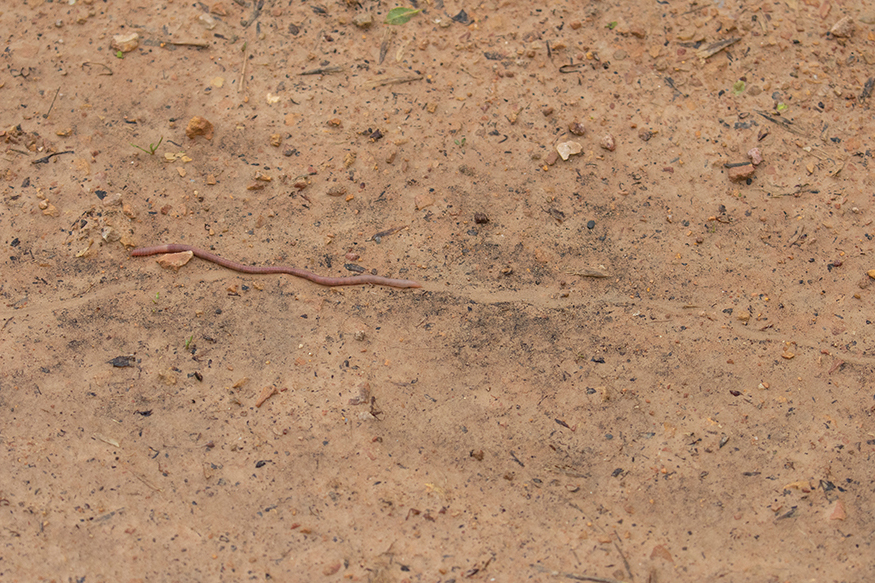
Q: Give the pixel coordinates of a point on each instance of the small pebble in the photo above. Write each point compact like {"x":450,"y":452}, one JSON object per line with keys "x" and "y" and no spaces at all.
{"x":576,"y":128}
{"x":843,"y":28}
{"x":364,"y":20}
{"x":481,"y":218}
{"x":607,"y":142}
{"x":755,"y":157}
{"x":740,"y":173}
{"x":362,"y":396}
{"x":567,"y":149}
{"x":174,"y":260}
{"x":125,"y":42}
{"x":199,"y":126}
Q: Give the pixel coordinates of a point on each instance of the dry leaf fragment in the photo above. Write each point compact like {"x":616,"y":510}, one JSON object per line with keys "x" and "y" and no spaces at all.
{"x":661,"y":552}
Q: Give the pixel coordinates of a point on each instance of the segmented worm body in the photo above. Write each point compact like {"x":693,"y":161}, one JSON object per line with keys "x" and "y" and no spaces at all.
{"x":243,"y":268}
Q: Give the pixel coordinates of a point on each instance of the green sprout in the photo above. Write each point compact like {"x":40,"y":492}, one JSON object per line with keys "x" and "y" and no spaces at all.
{"x":119,"y":55}
{"x":188,"y":342}
{"x":152,"y":147}
{"x":738,"y":87}
{"x":612,"y":25}
{"x":401,"y":15}
{"x":157,"y":297}
{"x":461,"y":143}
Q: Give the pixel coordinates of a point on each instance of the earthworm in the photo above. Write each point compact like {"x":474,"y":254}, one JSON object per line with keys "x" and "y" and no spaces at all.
{"x":321,"y":280}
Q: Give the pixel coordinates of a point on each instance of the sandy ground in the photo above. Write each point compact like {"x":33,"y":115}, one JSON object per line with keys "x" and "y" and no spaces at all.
{"x":649,"y":363}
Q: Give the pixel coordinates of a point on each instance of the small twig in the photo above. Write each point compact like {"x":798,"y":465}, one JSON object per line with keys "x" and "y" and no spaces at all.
{"x":189,"y":43}
{"x":242,"y":85}
{"x":145,"y":481}
{"x":787,"y":125}
{"x":625,"y":562}
{"x":589,"y":273}
{"x":392,"y":81}
{"x":384,"y":45}
{"x":256,"y":12}
{"x":46,"y":114}
{"x":716,"y":47}
{"x":45,"y":159}
{"x":378,"y":237}
{"x":590,"y":578}
{"x":576,"y":577}
{"x":670,"y":82}
{"x":322,"y":71}
{"x":696,"y":9}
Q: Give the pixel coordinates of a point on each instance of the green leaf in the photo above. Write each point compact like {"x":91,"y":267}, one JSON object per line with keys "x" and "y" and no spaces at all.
{"x":612,"y":25}
{"x":738,"y":87}
{"x":119,"y":55}
{"x":782,"y":107}
{"x":401,"y":15}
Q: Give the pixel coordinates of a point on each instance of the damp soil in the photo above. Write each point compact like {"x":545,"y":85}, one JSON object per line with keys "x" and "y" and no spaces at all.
{"x":649,"y":362}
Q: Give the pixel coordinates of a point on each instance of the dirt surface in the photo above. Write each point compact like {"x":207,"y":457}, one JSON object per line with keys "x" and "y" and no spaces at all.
{"x":652,"y":363}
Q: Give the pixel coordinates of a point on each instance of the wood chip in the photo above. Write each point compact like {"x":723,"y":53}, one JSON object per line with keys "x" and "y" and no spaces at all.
{"x":266,"y":393}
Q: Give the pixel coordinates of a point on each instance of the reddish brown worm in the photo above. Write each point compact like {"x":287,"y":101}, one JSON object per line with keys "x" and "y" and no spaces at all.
{"x":321,"y":280}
